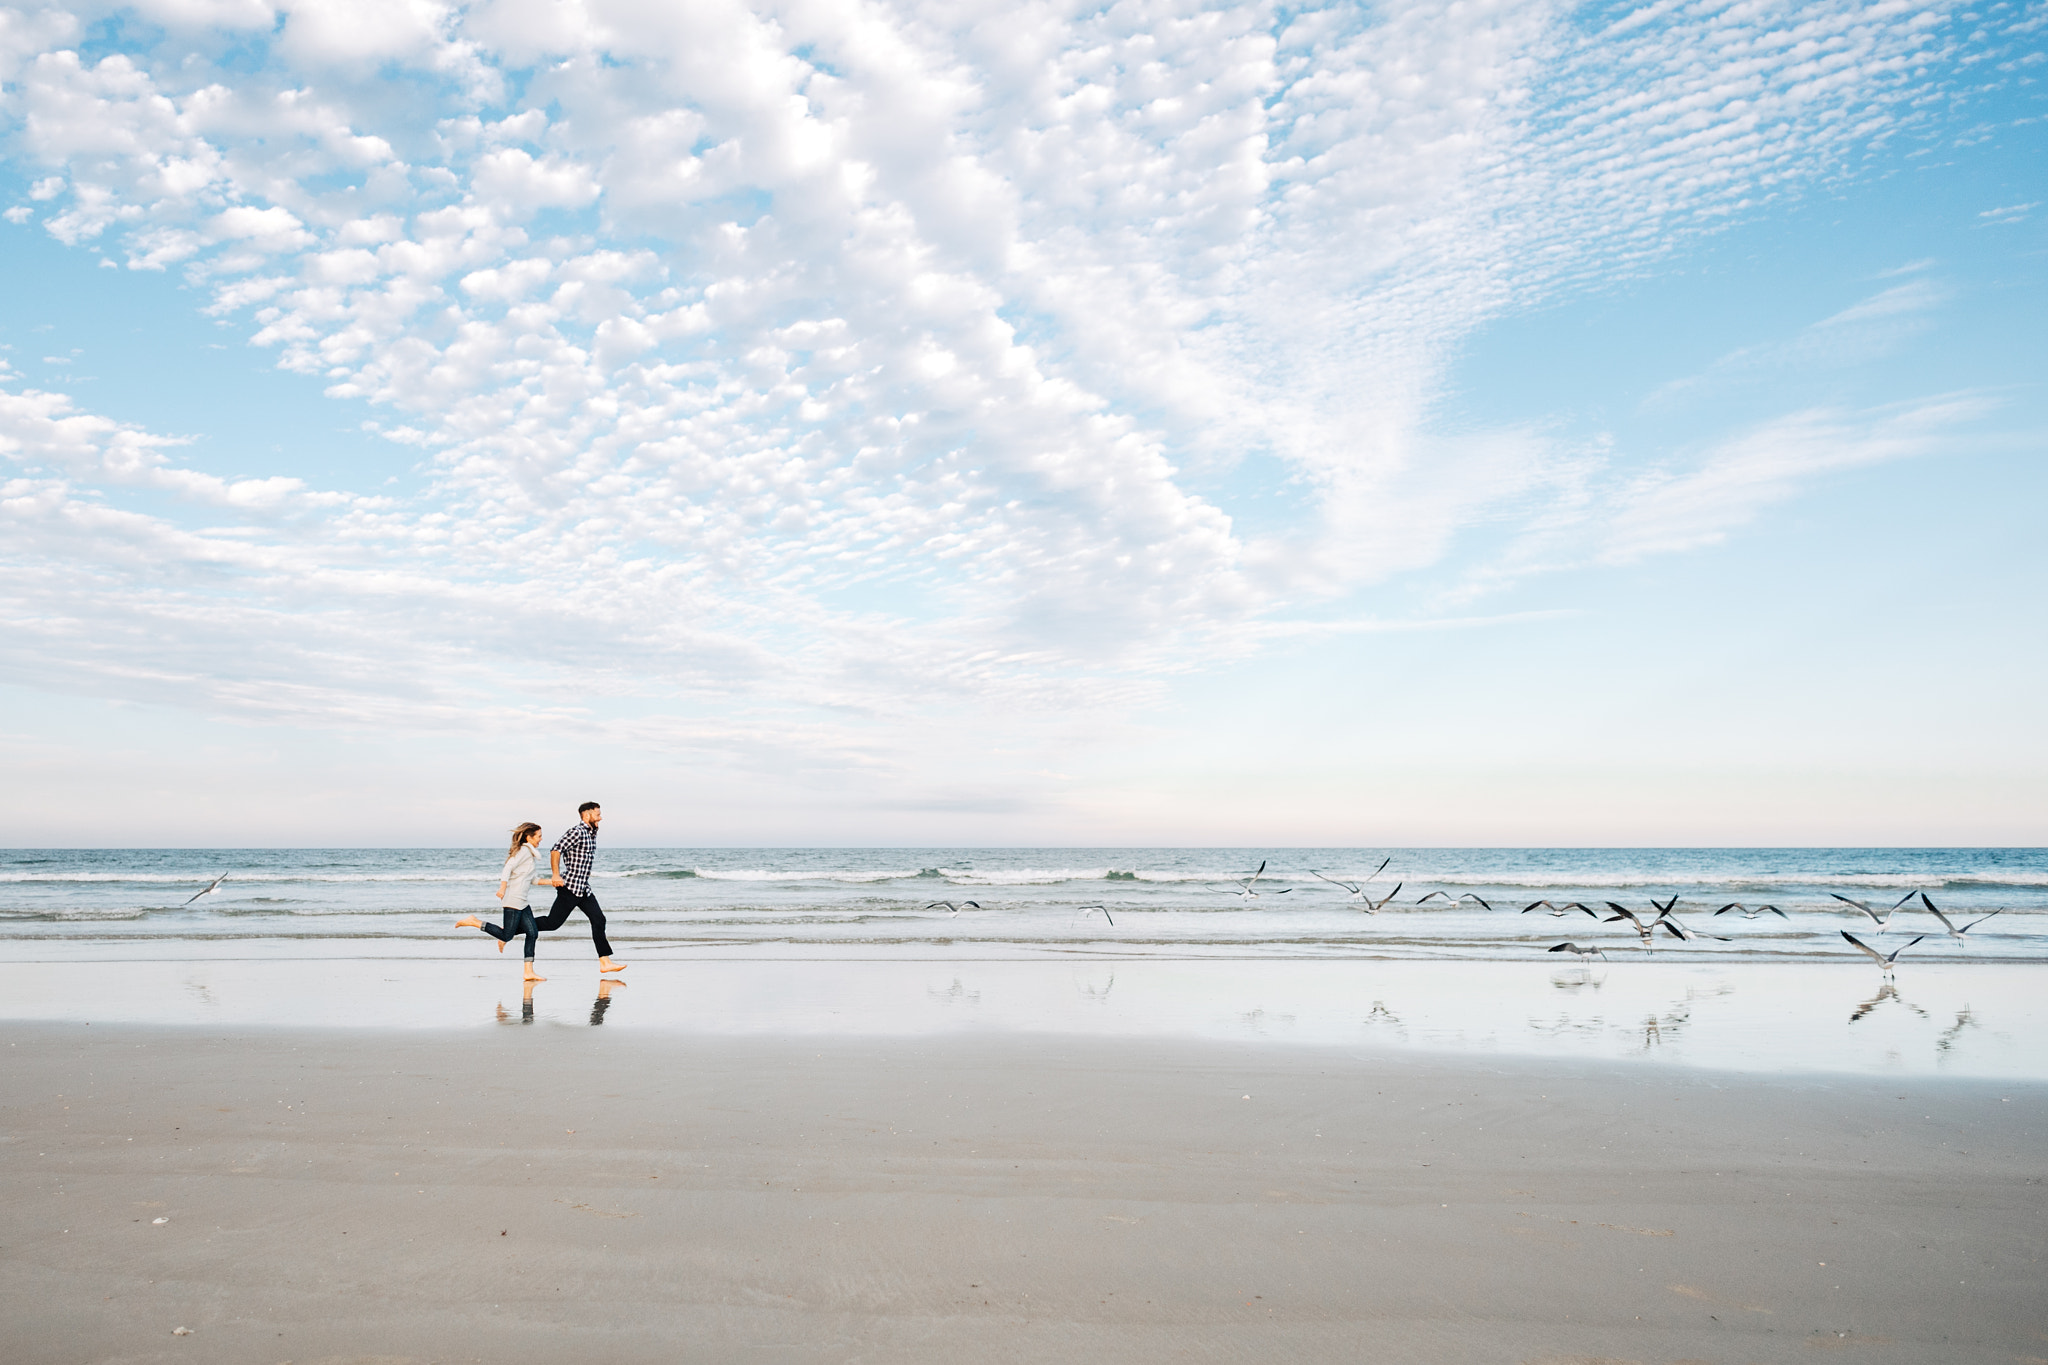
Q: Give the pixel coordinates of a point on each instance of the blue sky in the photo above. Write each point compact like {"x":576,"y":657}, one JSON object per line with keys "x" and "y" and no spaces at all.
{"x":1165,"y":423}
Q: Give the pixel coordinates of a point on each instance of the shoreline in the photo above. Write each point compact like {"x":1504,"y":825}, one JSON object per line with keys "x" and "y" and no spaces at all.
{"x":514,"y":1194}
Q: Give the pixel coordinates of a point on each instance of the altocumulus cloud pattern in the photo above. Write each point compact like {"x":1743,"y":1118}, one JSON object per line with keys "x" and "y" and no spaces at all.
{"x":835,"y":355}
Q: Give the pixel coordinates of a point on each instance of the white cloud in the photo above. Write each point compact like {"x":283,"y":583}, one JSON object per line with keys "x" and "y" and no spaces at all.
{"x":854,"y":356}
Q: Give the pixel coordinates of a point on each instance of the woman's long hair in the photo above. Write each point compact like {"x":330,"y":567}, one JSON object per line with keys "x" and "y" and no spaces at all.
{"x":519,"y":836}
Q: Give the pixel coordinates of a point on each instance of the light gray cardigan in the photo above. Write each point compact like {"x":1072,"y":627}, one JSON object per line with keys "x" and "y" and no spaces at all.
{"x":518,"y":878}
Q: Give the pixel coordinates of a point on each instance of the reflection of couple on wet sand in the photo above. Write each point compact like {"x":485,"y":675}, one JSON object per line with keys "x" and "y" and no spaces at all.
{"x":571,"y":861}
{"x":597,"y":1006}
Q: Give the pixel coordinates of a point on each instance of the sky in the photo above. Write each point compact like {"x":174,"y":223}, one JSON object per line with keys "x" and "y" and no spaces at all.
{"x":1498,"y":422}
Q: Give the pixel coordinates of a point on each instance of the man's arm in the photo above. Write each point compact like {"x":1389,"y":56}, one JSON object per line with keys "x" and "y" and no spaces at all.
{"x":555,"y":864}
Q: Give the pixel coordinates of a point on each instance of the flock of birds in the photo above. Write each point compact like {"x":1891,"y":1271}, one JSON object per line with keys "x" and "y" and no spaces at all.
{"x":1645,"y":924}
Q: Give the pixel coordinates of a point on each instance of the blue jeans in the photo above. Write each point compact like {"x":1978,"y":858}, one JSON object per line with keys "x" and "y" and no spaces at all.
{"x":519,"y":921}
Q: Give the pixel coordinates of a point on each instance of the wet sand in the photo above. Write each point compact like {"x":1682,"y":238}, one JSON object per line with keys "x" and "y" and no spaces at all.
{"x":548,"y":1194}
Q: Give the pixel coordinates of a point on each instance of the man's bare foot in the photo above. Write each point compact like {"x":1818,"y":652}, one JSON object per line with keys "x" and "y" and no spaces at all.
{"x":501,"y":945}
{"x":470,"y":923}
{"x":605,"y":964}
{"x":530,"y":975}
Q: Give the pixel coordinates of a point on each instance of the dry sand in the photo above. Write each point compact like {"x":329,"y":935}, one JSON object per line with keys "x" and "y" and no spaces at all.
{"x":552,"y":1194}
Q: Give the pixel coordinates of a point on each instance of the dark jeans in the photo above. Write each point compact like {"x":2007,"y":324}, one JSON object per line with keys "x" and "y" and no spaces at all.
{"x":517,"y":922}
{"x":566,"y":901}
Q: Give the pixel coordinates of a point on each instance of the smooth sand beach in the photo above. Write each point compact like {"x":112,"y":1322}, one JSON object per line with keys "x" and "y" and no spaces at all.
{"x":550,"y":1194}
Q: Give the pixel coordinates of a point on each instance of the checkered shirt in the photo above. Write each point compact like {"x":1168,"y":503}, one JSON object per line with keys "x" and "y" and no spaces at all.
{"x":578,"y":847}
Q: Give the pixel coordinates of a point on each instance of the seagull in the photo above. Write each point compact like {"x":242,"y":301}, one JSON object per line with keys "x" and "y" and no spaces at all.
{"x":951,"y":908}
{"x":1680,"y":931}
{"x":1622,"y":912}
{"x":1088,"y":910}
{"x":1576,"y":951}
{"x":1460,"y":900}
{"x":1954,"y":932}
{"x":213,"y":887}
{"x":1752,"y":911}
{"x":1244,"y":884}
{"x":1357,"y":888}
{"x":1884,"y":960}
{"x":1373,"y":907}
{"x":1557,"y":911}
{"x":1880,"y":919}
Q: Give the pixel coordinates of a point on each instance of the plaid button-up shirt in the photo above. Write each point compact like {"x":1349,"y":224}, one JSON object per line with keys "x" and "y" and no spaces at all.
{"x":578,"y":847}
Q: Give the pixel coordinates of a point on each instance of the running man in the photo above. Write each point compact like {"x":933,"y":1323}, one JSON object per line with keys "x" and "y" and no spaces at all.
{"x":572,"y":858}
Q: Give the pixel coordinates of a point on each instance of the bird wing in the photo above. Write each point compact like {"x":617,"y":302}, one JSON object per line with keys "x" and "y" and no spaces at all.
{"x":1979,"y":920}
{"x":1874,"y":953}
{"x":1858,"y":904}
{"x":210,"y":888}
{"x":1936,"y":913}
{"x":1352,"y":887}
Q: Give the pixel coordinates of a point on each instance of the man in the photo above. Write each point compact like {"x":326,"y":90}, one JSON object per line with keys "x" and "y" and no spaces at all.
{"x":572,"y":858}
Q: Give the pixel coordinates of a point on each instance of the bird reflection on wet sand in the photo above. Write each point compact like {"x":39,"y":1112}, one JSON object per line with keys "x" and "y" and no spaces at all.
{"x":603,"y":1001}
{"x":1887,"y":991}
{"x":1965,"y":1018}
{"x":1577,"y":979}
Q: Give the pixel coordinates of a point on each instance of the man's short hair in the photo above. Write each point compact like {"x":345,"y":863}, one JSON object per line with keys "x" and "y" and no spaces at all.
{"x":586,"y":808}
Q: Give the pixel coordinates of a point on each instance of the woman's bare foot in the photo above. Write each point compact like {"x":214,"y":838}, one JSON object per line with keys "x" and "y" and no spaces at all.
{"x":531,"y":975}
{"x":605,"y":964}
{"x":501,"y":945}
{"x":472,"y":922}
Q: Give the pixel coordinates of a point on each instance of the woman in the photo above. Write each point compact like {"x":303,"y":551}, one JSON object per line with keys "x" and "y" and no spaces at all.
{"x":520,"y":865}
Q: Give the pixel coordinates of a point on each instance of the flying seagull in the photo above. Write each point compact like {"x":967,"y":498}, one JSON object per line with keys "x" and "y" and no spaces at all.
{"x":1373,"y":907}
{"x":1752,"y":911}
{"x":1947,"y":924}
{"x":1576,"y":951}
{"x":1881,"y":920}
{"x":1088,"y":910}
{"x":1557,"y":911}
{"x":1458,"y":900}
{"x":951,"y":908}
{"x":1357,"y":888}
{"x":1622,"y":912}
{"x":1884,"y":960}
{"x":1244,"y":884}
{"x":1680,"y":931}
{"x":211,"y":888}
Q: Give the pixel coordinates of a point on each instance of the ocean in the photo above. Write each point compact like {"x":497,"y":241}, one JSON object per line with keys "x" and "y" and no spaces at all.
{"x":1036,"y":902}
{"x":1062,"y":942}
